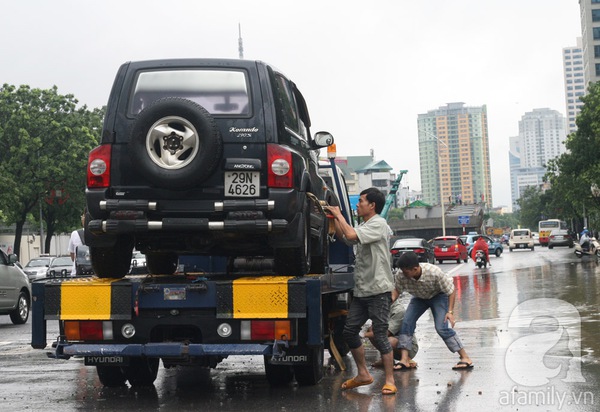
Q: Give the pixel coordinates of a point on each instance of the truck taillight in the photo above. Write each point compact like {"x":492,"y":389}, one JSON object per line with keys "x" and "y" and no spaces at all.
{"x":98,"y":169}
{"x":280,"y":171}
{"x":88,"y":330}
{"x":266,"y":330}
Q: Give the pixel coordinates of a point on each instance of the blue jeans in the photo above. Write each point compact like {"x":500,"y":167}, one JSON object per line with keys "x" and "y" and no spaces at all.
{"x":376,"y":308}
{"x":439,"y":307}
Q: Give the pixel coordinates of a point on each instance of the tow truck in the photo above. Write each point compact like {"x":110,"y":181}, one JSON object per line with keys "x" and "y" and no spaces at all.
{"x":204,"y":313}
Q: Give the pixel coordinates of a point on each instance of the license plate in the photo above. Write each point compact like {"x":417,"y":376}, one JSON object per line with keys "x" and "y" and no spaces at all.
{"x":522,"y":246}
{"x":106,"y":360}
{"x":242,"y":184}
{"x":174,"y":294}
{"x":444,"y":249}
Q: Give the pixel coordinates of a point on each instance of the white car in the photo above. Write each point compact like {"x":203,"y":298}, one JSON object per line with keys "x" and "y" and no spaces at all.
{"x":520,"y":239}
{"x":138,"y":263}
{"x":536,"y":238}
{"x":37,"y":268}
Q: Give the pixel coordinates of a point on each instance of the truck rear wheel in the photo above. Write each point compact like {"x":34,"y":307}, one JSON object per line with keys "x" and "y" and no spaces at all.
{"x":312,"y":373}
{"x":111,"y":376}
{"x":278,"y":375}
{"x":141,"y":371}
{"x":338,"y":339}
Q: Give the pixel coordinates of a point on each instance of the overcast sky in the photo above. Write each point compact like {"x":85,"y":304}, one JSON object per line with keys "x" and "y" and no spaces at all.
{"x":366,"y":68}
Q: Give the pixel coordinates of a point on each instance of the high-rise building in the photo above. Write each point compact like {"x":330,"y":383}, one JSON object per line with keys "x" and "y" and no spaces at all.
{"x":454,"y":155}
{"x":541,"y":138}
{"x":574,"y":72}
{"x":590,"y":34}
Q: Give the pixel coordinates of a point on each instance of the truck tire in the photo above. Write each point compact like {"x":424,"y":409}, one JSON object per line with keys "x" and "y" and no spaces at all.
{"x":111,"y":376}
{"x":161,"y":263}
{"x":112,"y":262}
{"x":278,"y":375}
{"x":338,"y":339}
{"x":141,"y":371}
{"x":21,"y":313}
{"x":311,"y":374}
{"x":175,"y":143}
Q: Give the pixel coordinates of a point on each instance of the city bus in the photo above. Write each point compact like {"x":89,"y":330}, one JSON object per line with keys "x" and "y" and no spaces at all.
{"x":546,"y":226}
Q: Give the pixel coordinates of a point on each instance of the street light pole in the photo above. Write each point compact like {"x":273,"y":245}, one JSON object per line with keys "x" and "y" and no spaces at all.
{"x":440,"y":180}
{"x":41,"y":230}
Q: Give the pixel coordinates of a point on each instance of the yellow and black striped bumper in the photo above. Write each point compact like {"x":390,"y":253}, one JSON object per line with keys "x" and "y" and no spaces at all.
{"x":262,"y":297}
{"x":89,"y":299}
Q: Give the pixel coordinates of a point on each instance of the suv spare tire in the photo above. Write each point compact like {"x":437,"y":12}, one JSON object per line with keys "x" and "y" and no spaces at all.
{"x":175,"y":143}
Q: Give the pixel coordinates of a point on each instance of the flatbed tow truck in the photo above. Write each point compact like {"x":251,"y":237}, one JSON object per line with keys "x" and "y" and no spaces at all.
{"x":200,"y":316}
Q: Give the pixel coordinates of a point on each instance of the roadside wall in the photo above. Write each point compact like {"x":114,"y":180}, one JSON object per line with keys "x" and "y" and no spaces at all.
{"x":30,"y":247}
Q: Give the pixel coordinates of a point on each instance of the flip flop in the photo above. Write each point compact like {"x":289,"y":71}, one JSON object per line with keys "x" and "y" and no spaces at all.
{"x":401,"y":367}
{"x":460,"y":368}
{"x":389,"y":389}
{"x":353,"y":383}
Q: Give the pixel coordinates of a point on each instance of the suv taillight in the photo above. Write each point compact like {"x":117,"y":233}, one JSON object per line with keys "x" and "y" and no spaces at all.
{"x":280,"y":171}
{"x":98,"y":170}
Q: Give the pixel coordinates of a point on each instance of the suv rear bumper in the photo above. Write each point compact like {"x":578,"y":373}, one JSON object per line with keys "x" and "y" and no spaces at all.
{"x":149,"y":219}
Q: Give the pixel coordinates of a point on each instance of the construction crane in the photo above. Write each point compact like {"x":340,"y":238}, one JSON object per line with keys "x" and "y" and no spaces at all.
{"x":389,"y":200}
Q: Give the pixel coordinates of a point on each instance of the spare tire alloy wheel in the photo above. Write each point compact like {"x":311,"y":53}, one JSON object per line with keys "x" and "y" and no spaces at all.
{"x":175,"y":143}
{"x":172,"y":142}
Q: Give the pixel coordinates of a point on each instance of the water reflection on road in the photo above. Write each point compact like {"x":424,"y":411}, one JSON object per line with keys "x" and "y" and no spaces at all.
{"x":530,"y":324}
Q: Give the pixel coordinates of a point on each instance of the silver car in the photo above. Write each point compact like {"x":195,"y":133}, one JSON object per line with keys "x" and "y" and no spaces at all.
{"x":61,"y":266}
{"x":37,"y":268}
{"x":15,"y":290}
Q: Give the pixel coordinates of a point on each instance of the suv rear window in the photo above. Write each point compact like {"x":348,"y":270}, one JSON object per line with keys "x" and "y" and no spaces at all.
{"x":218,"y":91}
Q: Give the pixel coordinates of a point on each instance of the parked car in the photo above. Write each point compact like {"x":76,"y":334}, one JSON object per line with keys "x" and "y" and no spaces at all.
{"x":15,"y":290}
{"x":138,"y":263}
{"x":520,"y":239}
{"x":83,"y":262}
{"x":37,"y":268}
{"x":60,"y":266}
{"x":449,"y":248}
{"x":560,"y":237}
{"x":420,"y":246}
{"x":494,"y":246}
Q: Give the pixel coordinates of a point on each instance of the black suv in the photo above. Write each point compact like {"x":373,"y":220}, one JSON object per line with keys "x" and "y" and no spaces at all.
{"x":206,"y":157}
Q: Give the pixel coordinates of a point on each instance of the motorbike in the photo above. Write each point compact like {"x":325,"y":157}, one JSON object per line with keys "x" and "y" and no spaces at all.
{"x":592,"y":249}
{"x":480,"y":260}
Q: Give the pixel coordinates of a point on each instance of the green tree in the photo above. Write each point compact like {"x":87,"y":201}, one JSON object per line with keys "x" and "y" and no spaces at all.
{"x":573,"y":174}
{"x":532,"y":207}
{"x":44,"y":143}
{"x":511,"y":220}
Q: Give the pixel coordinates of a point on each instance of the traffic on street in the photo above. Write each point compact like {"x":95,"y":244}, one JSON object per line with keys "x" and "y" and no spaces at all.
{"x":529,"y":321}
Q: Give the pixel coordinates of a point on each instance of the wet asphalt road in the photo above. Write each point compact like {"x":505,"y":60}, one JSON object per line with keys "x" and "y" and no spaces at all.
{"x":530,"y":323}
